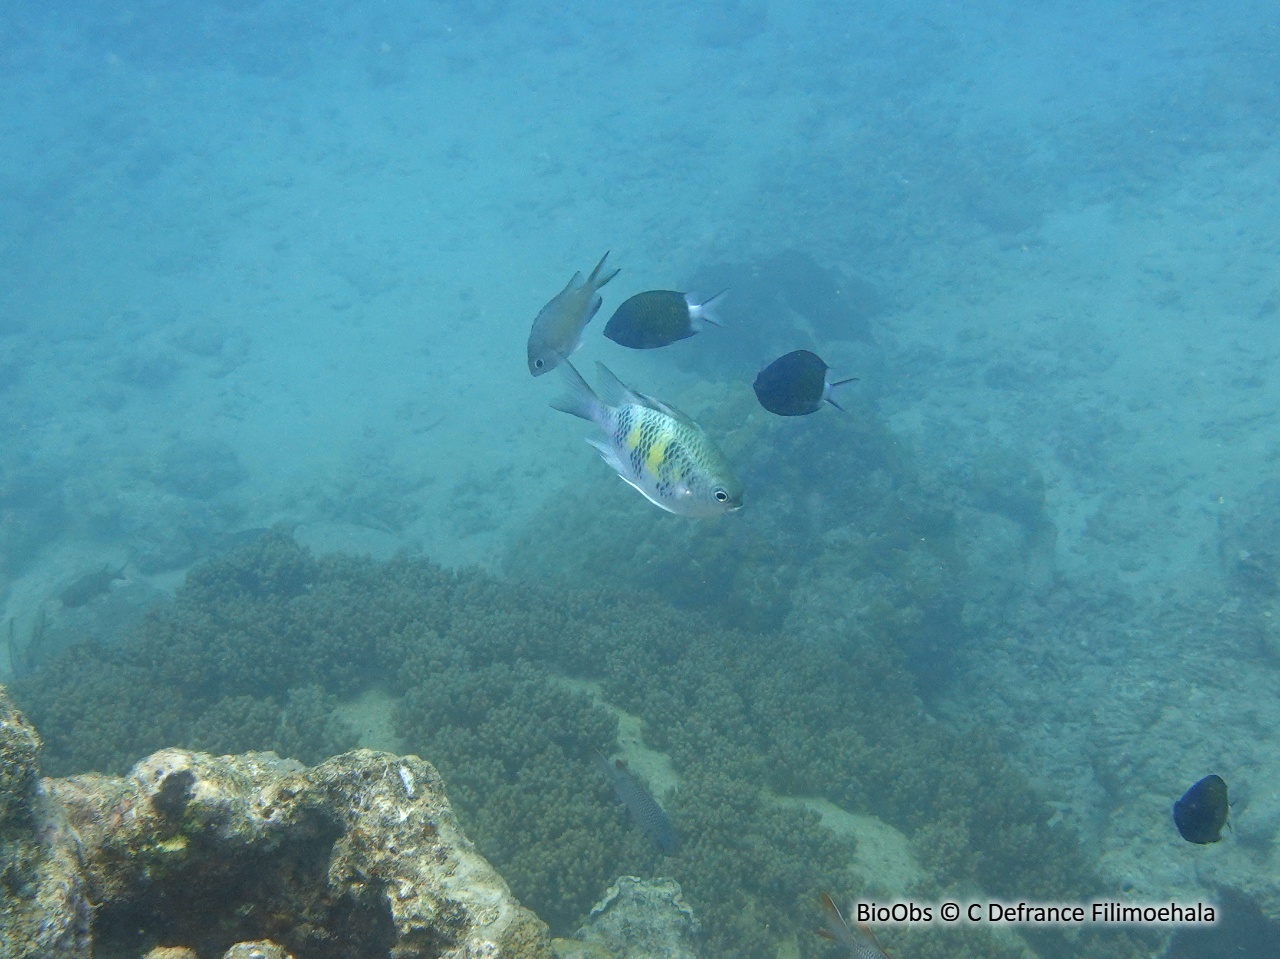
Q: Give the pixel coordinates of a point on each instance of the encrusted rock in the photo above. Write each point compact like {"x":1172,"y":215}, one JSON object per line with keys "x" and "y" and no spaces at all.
{"x":256,"y":950}
{"x":171,"y":952}
{"x":642,"y":919}
{"x":19,"y":766}
{"x":359,"y":857}
{"x":43,"y":909}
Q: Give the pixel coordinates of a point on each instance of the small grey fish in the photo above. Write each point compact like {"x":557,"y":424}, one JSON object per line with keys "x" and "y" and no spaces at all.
{"x":557,"y":331}
{"x":796,"y":384}
{"x":641,"y":806}
{"x":84,"y":589}
{"x":647,"y":321}
{"x":654,"y":447}
{"x":859,"y":939}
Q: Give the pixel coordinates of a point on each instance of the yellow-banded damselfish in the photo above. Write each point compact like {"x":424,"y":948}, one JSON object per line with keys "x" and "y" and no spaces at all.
{"x":654,"y":447}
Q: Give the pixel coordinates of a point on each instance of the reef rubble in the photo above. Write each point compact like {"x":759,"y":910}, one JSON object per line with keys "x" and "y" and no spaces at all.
{"x":206,"y":856}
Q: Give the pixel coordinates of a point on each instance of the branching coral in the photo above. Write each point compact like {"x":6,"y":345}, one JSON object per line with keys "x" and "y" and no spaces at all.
{"x":256,"y":650}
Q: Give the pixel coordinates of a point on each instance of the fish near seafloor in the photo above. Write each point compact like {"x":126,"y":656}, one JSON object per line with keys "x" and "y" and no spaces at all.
{"x":658,"y":318}
{"x":796,"y":384}
{"x":641,"y":806}
{"x":859,"y":939}
{"x":84,"y":589}
{"x":1202,"y":811}
{"x":654,"y":447}
{"x":557,"y":330}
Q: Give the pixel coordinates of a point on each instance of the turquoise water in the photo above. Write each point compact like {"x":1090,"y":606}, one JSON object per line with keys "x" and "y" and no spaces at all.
{"x":275,"y":263}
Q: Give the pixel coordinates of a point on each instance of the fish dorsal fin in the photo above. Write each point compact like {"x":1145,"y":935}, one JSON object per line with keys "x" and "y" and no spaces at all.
{"x":614,"y":392}
{"x":656,"y":404}
{"x":653,"y":403}
{"x":575,"y":282}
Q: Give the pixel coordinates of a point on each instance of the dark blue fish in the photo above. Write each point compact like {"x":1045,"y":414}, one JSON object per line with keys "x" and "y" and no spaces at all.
{"x":1202,"y":811}
{"x":90,"y":586}
{"x":796,"y":384}
{"x":657,"y":318}
{"x":642,"y":807}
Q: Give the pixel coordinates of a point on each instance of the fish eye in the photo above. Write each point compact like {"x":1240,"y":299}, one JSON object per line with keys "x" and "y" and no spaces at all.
{"x":721,"y":496}
{"x":539,"y":363}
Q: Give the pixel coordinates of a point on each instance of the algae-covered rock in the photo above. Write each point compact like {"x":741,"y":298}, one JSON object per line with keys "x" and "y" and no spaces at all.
{"x":360,"y":857}
{"x":43,"y":909}
{"x":172,"y":952}
{"x":256,"y":950}
{"x":642,"y":919}
{"x":19,"y":766}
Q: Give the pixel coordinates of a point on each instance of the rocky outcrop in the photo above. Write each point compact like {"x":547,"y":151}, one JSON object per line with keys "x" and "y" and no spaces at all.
{"x":359,"y":857}
{"x":641,"y":919}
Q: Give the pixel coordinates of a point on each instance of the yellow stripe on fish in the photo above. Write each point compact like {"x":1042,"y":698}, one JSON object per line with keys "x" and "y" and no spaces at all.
{"x":657,"y":454}
{"x":654,"y":447}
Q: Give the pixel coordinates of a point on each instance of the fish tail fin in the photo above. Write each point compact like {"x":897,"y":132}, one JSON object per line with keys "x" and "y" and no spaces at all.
{"x":604,"y":764}
{"x":579,"y":399}
{"x":855,"y":938}
{"x":835,"y":921}
{"x":597,"y":279}
{"x":704,"y":312}
{"x":829,"y":393}
{"x":866,"y":933}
